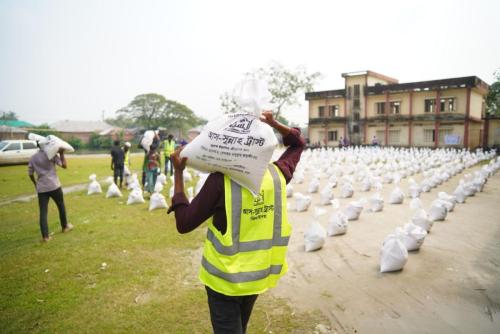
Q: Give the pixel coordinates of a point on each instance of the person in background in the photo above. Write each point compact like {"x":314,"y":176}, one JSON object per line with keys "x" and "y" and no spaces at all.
{"x":235,"y":276}
{"x":168,"y":149}
{"x":117,"y":160}
{"x":374,"y":141}
{"x":48,"y":186}
{"x":126,"y":162}
{"x":341,"y":142}
{"x":153,"y":168}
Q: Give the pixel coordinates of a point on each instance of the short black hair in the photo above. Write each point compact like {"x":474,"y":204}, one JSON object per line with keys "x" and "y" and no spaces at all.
{"x":116,"y":142}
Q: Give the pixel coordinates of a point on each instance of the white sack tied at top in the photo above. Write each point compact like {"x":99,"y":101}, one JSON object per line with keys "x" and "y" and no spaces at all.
{"x":94,"y":187}
{"x":337,"y":224}
{"x":315,"y":236}
{"x":51,"y":144}
{"x":113,"y":190}
{"x":393,"y":255}
{"x":239,"y":145}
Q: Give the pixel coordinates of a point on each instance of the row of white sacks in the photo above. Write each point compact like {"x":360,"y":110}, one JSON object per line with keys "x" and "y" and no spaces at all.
{"x":157,"y":200}
{"x":394,"y":252}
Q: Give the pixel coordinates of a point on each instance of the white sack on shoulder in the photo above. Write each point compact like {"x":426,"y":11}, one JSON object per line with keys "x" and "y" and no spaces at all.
{"x":393,"y":255}
{"x":94,"y":187}
{"x":52,"y":144}
{"x":147,"y":139}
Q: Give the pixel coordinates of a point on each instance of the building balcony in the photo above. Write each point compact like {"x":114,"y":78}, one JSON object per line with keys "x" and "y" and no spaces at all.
{"x":326,"y":120}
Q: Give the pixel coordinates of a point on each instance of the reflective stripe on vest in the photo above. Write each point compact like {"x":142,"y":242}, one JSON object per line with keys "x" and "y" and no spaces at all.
{"x":246,"y":246}
{"x":231,"y":266}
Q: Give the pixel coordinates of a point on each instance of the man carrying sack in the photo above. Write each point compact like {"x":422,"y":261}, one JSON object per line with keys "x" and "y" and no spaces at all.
{"x":168,"y":149}
{"x":247,"y":236}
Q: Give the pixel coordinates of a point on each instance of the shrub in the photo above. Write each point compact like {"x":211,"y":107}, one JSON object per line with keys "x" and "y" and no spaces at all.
{"x":75,"y":142}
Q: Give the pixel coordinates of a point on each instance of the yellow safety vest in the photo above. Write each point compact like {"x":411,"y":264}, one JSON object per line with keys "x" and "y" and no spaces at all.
{"x":169,"y":147}
{"x":126,"y":161}
{"x":251,"y":256}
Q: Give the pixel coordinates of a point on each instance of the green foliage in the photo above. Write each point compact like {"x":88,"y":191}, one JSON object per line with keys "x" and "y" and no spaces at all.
{"x":122,"y":121}
{"x":284,"y":85}
{"x":41,"y":126}
{"x":75,"y":142}
{"x":97,"y":141}
{"x":45,"y":132}
{"x":151,"y":111}
{"x":493,"y":98}
{"x":9,"y":116}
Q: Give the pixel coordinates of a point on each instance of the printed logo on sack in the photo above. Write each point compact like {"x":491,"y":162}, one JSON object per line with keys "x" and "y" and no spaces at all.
{"x":241,"y":125}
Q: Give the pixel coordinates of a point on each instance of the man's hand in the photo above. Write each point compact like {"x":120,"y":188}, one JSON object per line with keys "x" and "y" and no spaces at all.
{"x":268,"y":118}
{"x":178,"y":162}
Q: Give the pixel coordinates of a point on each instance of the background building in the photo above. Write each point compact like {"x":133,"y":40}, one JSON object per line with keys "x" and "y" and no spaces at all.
{"x":436,"y":113}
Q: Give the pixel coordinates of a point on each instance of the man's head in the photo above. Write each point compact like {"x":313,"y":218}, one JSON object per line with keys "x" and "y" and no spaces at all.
{"x":116,"y":142}
{"x":170,"y":137}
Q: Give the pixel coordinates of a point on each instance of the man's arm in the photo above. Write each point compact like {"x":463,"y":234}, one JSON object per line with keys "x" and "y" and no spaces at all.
{"x":63,"y":159}
{"x":31,"y":173}
{"x":291,"y":138}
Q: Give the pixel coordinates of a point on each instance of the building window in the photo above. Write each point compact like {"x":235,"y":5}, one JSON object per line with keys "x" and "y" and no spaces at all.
{"x":355,"y":128}
{"x":332,"y":135}
{"x":356,"y":91}
{"x":429,"y":136}
{"x":448,"y":105}
{"x":430,"y":105}
{"x":356,"y":103}
{"x":443,"y":133}
{"x":355,"y":116}
{"x":333,"y":111}
{"x":394,"y":137}
{"x":395,"y":107}
{"x":380,"y":107}
{"x":321,"y":111}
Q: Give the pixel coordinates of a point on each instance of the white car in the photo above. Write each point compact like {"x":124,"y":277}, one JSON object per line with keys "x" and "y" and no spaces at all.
{"x":16,"y":151}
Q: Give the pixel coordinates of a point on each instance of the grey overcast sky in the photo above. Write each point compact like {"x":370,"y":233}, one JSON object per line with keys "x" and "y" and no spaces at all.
{"x":72,"y":59}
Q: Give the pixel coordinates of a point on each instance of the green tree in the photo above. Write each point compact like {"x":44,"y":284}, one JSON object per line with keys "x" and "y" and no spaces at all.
{"x":285,"y":85}
{"x":9,"y":116}
{"x":151,"y":111}
{"x":75,"y":142}
{"x":493,"y":97}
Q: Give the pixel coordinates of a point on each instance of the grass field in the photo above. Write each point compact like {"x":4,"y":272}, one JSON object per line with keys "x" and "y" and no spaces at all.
{"x":14,"y":180}
{"x":149,"y":284}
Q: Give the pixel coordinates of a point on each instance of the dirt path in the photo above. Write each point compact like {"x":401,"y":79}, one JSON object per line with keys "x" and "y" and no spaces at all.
{"x":452,"y":285}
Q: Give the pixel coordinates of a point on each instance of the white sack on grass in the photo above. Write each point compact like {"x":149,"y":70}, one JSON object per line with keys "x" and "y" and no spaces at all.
{"x":289,"y":190}
{"x":94,"y":187}
{"x":376,"y":203}
{"x":326,"y":195}
{"x":147,"y":139}
{"x":315,"y":236}
{"x":133,"y":182}
{"x":354,"y":210}
{"x":113,"y":191}
{"x":393,"y":255}
{"x":238,"y":145}
{"x":135,"y":196}
{"x":421,"y":218}
{"x":397,"y":196}
{"x":158,"y":187}
{"x":162,"y":179}
{"x":51,"y":144}
{"x":438,"y":211}
{"x":157,"y":201}
{"x":301,"y":202}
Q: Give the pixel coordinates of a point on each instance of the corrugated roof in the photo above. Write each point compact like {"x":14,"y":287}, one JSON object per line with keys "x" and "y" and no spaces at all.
{"x":16,"y":124}
{"x":80,"y":126}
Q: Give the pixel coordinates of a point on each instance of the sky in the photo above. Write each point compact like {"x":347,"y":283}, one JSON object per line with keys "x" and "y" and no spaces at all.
{"x":76,"y":60}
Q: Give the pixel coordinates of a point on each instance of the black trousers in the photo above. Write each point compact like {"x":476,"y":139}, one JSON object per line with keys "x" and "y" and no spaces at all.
{"x":229,"y":314}
{"x":118,"y":172}
{"x":43,"y":203}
